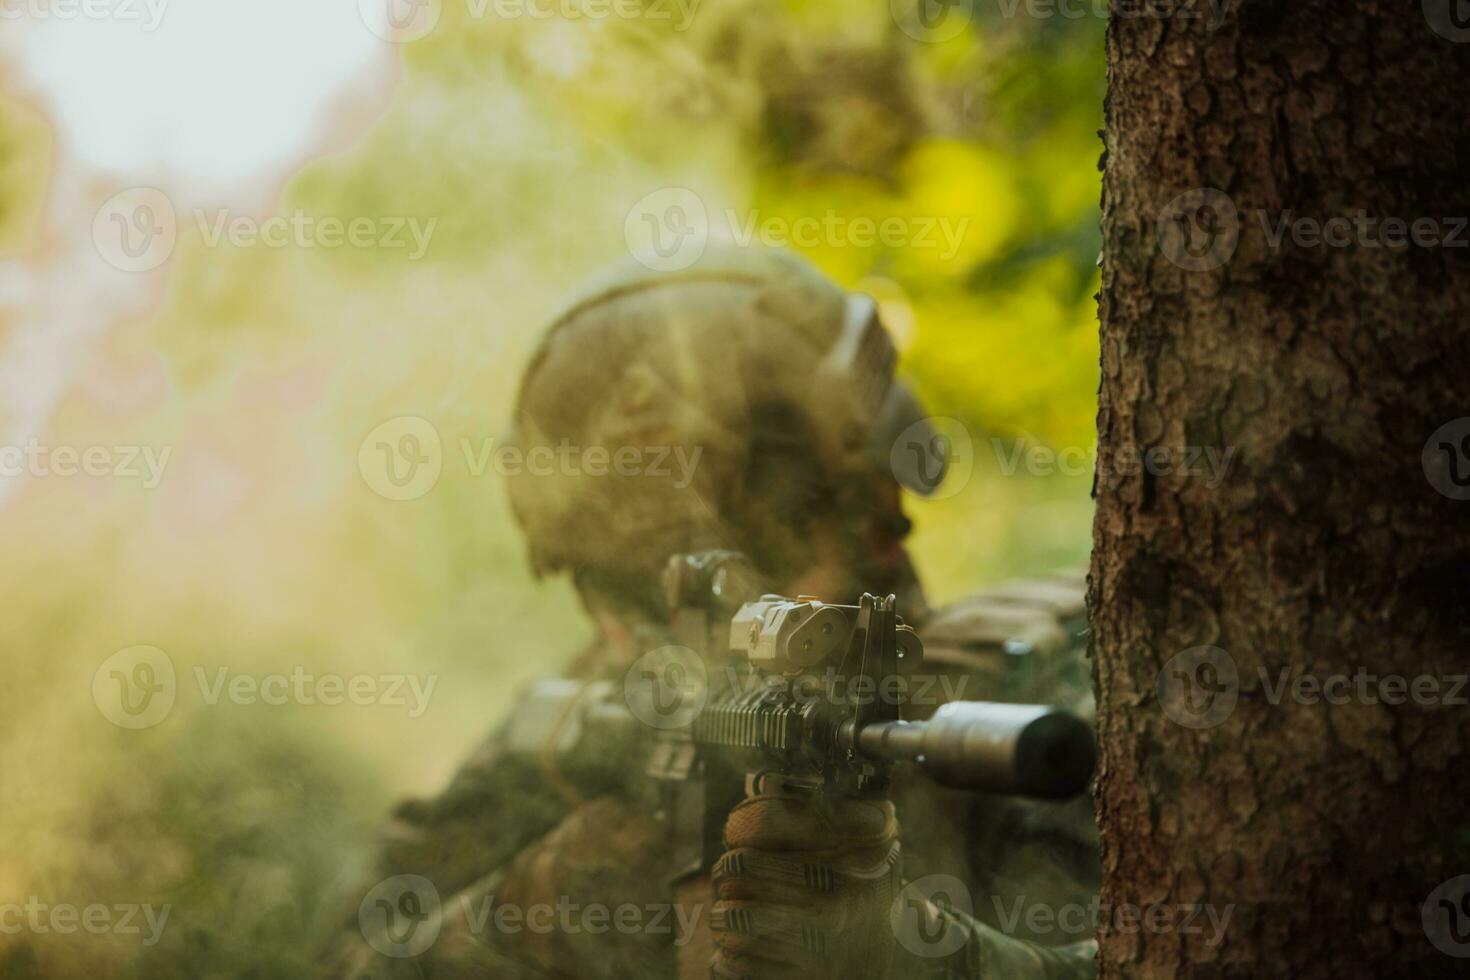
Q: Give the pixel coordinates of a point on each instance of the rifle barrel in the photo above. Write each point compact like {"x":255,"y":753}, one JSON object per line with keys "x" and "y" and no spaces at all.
{"x":987,"y":747}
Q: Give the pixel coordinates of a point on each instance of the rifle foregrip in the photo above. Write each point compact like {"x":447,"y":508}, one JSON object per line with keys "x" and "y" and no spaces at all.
{"x":986,"y":747}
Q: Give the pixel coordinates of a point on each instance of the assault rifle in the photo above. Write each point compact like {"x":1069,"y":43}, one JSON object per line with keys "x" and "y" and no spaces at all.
{"x":743,"y":686}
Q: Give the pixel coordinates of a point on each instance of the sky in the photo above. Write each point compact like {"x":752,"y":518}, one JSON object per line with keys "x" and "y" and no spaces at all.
{"x":209,"y":96}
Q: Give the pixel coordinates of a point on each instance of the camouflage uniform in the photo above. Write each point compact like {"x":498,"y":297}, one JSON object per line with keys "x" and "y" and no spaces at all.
{"x":502,"y":829}
{"x":510,"y":834}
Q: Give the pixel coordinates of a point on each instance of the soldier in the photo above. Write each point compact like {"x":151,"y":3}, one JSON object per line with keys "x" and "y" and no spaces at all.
{"x":779,"y":385}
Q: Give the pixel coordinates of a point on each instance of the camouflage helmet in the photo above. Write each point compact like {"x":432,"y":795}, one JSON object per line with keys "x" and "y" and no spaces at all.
{"x":705,"y":408}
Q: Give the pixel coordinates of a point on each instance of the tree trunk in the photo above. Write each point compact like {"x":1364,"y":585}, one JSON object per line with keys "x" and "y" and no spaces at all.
{"x":1328,"y":822}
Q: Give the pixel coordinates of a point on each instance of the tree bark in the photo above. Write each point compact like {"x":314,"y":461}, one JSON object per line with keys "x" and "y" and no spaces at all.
{"x":1335,"y":544}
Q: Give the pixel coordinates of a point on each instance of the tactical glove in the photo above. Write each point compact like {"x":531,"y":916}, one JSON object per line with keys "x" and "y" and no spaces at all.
{"x":804,"y":888}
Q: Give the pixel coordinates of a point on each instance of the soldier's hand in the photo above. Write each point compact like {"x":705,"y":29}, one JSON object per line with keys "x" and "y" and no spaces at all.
{"x":804,"y":887}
